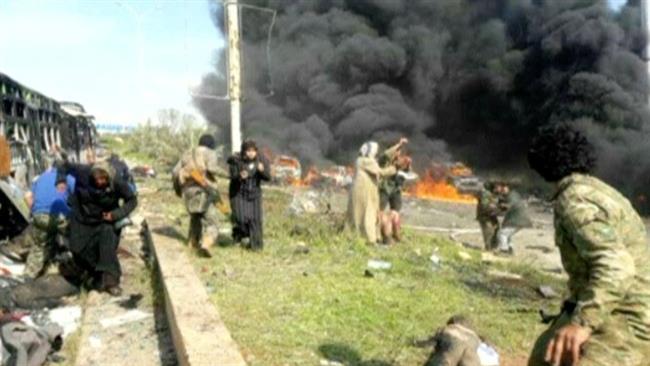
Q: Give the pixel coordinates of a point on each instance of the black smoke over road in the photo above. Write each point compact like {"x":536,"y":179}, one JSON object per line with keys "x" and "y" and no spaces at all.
{"x":468,"y":79}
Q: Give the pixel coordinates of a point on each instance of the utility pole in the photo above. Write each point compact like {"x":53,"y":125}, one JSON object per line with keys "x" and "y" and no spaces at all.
{"x":234,"y":72}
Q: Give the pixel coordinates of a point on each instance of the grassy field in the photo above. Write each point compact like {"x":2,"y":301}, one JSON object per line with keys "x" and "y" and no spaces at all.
{"x":287,"y":307}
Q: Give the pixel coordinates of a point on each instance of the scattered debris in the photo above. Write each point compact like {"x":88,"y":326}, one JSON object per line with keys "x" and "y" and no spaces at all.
{"x":435,"y":260}
{"x":94,"y":341}
{"x":10,"y":268}
{"x":464,"y":255}
{"x":325,"y":362}
{"x":378,"y":264}
{"x":547,"y":292}
{"x":487,"y":257}
{"x":128,"y":317}
{"x":301,"y":248}
{"x":131,"y":302}
{"x":143,"y":171}
{"x":310,"y":202}
{"x":488,"y":355}
{"x":68,"y":317}
{"x":504,"y":275}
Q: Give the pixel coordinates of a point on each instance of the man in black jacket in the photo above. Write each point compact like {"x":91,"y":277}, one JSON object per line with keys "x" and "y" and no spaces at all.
{"x":96,"y":208}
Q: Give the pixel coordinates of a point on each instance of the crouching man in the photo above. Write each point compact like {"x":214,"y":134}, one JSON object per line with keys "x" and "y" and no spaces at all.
{"x":604,"y":249}
{"x":100,"y":199}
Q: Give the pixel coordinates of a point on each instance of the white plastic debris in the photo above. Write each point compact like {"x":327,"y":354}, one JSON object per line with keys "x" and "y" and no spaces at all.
{"x":464,"y":255}
{"x":435,"y":260}
{"x":377,"y":264}
{"x":128,"y":317}
{"x":487,"y":355}
{"x":94,"y":341}
{"x":68,"y":317}
{"x":13,"y":269}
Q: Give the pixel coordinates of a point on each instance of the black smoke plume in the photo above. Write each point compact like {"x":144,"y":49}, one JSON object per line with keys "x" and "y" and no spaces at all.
{"x":472,"y":79}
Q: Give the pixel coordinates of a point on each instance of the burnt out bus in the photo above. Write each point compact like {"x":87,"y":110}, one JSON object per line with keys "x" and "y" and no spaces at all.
{"x":34,"y":123}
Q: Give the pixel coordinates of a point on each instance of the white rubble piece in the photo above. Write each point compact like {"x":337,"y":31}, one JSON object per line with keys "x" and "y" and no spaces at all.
{"x":10,"y":268}
{"x":487,"y":355}
{"x":378,"y":264}
{"x":128,"y":317}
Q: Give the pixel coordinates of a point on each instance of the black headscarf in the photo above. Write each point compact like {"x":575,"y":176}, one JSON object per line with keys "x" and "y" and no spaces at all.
{"x":207,"y":141}
{"x":247,"y":145}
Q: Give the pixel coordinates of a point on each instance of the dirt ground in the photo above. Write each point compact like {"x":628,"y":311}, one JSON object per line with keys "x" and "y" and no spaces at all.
{"x":534,"y":247}
{"x":143,"y":337}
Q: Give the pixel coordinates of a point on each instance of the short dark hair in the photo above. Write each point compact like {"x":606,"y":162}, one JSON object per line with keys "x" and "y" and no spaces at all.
{"x":559,"y":150}
{"x":207,"y":141}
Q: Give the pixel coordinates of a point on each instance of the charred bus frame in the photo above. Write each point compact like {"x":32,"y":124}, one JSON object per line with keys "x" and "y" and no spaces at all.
{"x":33,"y":123}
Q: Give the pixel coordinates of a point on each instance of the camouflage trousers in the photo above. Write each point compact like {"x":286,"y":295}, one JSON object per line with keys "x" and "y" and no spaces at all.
{"x":204,"y":228}
{"x":612,"y":344}
{"x":43,"y":242}
{"x":489,"y":229}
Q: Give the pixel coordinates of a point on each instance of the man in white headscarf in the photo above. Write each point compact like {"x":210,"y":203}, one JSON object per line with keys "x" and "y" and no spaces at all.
{"x":363,"y":207}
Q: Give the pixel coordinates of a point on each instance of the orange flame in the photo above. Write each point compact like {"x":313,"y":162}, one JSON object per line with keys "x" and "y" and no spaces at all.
{"x":312,"y":176}
{"x":439,"y":189}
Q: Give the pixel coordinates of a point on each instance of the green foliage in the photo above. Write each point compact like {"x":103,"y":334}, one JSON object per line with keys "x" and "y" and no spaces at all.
{"x":162,"y":144}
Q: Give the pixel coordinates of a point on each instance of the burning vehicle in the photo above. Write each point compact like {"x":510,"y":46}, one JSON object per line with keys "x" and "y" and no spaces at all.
{"x":286,"y":170}
{"x":338,"y":176}
{"x":453,"y":182}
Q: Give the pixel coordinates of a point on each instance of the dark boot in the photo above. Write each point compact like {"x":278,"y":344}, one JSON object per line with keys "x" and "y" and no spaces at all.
{"x":111,"y":284}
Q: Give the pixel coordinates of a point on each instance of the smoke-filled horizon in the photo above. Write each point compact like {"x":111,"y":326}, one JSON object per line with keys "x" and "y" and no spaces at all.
{"x":466,"y":80}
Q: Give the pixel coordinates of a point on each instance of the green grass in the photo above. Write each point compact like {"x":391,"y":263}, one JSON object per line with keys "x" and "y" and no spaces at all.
{"x":288,"y":308}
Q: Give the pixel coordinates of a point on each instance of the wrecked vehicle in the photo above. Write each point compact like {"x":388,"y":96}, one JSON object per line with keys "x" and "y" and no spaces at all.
{"x":286,"y":169}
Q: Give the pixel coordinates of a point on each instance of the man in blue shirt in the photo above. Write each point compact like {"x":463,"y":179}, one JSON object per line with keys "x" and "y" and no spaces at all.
{"x":50,"y":213}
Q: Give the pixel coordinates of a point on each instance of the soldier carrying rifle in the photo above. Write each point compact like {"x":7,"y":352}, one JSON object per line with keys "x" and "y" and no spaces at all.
{"x":195,"y":179}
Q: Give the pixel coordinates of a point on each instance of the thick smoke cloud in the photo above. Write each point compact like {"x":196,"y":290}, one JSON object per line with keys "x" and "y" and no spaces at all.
{"x":468,"y":79}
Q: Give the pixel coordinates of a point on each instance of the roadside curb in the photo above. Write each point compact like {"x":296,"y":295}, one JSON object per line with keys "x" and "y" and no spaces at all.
{"x":200,"y":336}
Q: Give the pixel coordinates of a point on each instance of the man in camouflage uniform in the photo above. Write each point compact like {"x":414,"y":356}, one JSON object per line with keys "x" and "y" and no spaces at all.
{"x":456,"y":344}
{"x":196,"y":174}
{"x":487,"y":214}
{"x":50,"y":213}
{"x":604,"y":249}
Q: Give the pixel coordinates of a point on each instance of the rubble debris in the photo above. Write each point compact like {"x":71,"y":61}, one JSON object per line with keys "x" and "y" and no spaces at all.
{"x":128,"y":317}
{"x":95,"y":341}
{"x":301,"y":248}
{"x":504,"y":275}
{"x":67,"y":317}
{"x":143,"y":171}
{"x":325,"y":362}
{"x":435,"y":260}
{"x":379,"y":264}
{"x":310,"y":202}
{"x":547,"y":292}
{"x":488,"y":355}
{"x":11,"y":268}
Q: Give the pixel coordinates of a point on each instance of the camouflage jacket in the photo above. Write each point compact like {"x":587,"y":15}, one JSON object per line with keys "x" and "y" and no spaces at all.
{"x":488,"y":205}
{"x":602,"y":241}
{"x":203,"y":161}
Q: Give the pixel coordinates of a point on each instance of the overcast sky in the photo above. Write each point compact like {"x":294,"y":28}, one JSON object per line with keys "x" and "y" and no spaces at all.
{"x":122,"y":59}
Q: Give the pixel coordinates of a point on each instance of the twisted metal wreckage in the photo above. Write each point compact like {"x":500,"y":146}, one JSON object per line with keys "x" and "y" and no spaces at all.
{"x":32,"y":124}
